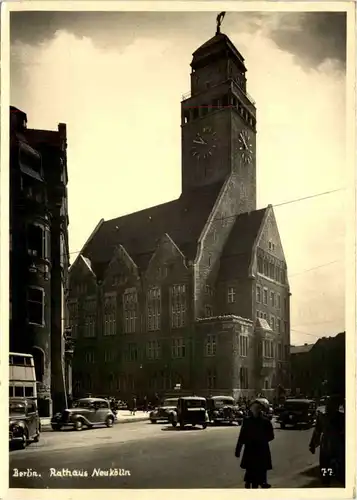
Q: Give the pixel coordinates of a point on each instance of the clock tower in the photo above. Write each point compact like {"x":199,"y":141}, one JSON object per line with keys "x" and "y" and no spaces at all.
{"x":218,"y":122}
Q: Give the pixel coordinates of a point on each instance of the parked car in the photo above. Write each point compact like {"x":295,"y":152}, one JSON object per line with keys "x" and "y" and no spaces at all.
{"x":163,"y":412}
{"x":24,"y":421}
{"x":191,"y":410}
{"x":87,"y":412}
{"x":297,"y":412}
{"x":223,"y":409}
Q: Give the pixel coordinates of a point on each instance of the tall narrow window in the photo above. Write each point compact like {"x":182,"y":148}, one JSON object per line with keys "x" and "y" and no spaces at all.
{"x":258,"y":294}
{"x":272,"y":323}
{"x":89,"y":357}
{"x":154,"y":309}
{"x":272,"y":299}
{"x":90,"y":312}
{"x":36,"y":241}
{"x":231,"y":295}
{"x":211,"y":345}
{"x":132,"y":352}
{"x":153,"y":349}
{"x":36,"y":306}
{"x":243,"y":345}
{"x":243,"y":377}
{"x":260,"y":265}
{"x":130,"y":305}
{"x":211,"y":379}
{"x":178,"y":306}
{"x":178,"y":348}
{"x":110,"y":314}
{"x":265,"y":296}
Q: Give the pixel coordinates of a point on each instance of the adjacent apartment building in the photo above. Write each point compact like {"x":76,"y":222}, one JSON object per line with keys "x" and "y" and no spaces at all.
{"x":39,"y":256}
{"x":194,"y":291}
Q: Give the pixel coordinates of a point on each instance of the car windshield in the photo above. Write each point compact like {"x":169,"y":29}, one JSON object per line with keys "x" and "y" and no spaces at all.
{"x":170,"y":402}
{"x":223,"y":402}
{"x":296,"y":405}
{"x":82,"y":403}
{"x":195,"y":403}
{"x":17,"y":409}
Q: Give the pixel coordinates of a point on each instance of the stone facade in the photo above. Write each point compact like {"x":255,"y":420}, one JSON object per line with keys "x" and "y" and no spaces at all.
{"x":39,"y":254}
{"x":169,"y":295}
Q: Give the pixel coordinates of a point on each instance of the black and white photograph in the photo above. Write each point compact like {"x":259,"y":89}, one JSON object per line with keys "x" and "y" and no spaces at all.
{"x":180,"y":209}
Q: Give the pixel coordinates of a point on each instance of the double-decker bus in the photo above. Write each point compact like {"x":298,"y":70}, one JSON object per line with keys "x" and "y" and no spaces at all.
{"x":22,"y":376}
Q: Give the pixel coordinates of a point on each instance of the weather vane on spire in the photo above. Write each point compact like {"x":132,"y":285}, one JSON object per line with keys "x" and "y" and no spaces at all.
{"x":220,"y":18}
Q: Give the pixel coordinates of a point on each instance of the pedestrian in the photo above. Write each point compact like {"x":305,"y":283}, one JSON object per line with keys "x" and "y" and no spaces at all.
{"x":133,"y":405}
{"x":145,"y":404}
{"x":255,"y":435}
{"x":329,"y":435}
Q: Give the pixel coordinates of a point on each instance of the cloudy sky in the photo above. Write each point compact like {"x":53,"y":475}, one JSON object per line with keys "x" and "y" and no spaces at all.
{"x":116,"y":79}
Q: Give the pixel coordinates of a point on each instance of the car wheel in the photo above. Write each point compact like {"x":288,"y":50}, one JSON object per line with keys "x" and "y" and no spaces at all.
{"x":182,"y":425}
{"x":282,"y":426}
{"x":174,"y":424}
{"x":204,"y":426}
{"x":78,"y":425}
{"x":109,"y":422}
{"x":23,"y":443}
{"x":153,"y":421}
{"x":56,"y":427}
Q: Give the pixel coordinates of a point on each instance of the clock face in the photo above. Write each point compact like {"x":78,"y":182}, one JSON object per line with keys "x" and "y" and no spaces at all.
{"x":204,"y":144}
{"x":245,"y":147}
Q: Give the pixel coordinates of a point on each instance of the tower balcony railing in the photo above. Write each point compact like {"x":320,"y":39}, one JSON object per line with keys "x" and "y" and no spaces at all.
{"x":188,"y":94}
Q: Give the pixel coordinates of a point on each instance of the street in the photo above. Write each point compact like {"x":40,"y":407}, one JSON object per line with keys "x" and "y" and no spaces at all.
{"x":142,"y":455}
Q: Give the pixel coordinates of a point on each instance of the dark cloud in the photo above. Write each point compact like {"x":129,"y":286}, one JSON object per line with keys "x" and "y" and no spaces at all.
{"x":311,"y":37}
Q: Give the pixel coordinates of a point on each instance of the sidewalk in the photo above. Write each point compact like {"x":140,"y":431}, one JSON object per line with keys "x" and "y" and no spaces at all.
{"x":123,"y":417}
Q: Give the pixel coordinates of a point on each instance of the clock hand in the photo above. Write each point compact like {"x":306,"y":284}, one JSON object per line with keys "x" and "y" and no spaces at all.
{"x":199,"y":142}
{"x":245,"y":144}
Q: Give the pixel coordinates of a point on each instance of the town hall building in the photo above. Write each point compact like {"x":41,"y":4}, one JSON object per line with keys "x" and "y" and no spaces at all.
{"x":194,"y":291}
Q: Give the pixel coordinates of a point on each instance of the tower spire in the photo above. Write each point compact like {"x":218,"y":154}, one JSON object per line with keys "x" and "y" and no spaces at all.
{"x":219,"y":20}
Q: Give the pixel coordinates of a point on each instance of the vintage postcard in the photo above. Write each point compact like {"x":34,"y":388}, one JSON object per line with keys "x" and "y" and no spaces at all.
{"x":177,"y":249}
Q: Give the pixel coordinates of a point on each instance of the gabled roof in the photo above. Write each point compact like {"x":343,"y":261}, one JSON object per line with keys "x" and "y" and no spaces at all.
{"x":239,"y":246}
{"x":300,"y":349}
{"x":182,"y":219}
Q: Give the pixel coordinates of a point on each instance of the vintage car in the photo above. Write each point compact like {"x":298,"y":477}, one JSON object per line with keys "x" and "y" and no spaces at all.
{"x":223,"y":409}
{"x":297,"y":412}
{"x":24,"y":422}
{"x":163,"y":412}
{"x":87,"y":412}
{"x":191,"y":410}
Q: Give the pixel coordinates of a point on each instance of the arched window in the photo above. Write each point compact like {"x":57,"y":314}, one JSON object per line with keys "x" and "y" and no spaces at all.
{"x":39,"y":361}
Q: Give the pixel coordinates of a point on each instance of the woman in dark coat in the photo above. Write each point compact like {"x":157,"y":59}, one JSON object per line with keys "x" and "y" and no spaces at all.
{"x":255,"y":435}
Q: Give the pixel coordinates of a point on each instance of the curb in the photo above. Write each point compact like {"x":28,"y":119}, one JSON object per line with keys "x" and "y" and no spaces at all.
{"x":48,"y":428}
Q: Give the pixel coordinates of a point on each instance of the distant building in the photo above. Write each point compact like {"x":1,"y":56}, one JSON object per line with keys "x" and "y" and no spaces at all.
{"x":300,"y":368}
{"x":319,"y":369}
{"x":193,"y":291}
{"x":39,"y":255}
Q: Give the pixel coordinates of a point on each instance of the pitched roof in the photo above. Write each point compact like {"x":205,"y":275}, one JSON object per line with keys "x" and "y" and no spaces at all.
{"x":182,"y":219}
{"x":217,"y":44}
{"x":300,"y":349}
{"x":237,"y":252}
